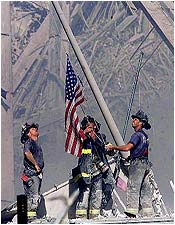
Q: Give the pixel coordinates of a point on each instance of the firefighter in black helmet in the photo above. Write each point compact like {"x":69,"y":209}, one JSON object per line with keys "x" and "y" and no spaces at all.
{"x":139,"y":194}
{"x":93,"y":172}
{"x":33,"y":165}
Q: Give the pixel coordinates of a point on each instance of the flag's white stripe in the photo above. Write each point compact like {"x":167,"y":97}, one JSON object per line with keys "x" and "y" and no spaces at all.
{"x":76,"y":151}
{"x":70,"y":146}
{"x":71,"y":140}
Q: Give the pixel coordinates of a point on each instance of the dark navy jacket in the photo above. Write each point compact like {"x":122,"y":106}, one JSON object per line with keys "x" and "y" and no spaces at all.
{"x":92,"y":149}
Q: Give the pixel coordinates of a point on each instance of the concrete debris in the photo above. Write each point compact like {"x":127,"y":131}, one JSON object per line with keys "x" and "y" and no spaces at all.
{"x":44,"y":220}
{"x":34,"y":220}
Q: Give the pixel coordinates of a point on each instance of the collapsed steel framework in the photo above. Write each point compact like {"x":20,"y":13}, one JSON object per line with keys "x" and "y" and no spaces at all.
{"x":111,"y":36}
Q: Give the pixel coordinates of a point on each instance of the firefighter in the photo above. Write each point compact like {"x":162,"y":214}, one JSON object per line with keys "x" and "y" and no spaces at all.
{"x":139,"y":195}
{"x":93,"y":173}
{"x":33,"y":166}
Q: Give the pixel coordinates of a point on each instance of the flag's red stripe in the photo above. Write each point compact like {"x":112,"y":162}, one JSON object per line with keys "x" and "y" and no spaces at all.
{"x":69,"y":133}
{"x":75,"y":137}
{"x":79,"y":102}
{"x":80,"y":149}
{"x":67,"y":111}
{"x":78,"y":95}
{"x":68,"y":138}
{"x":69,"y":104}
{"x":77,"y":88}
{"x":74,"y":108}
{"x":70,"y":126}
{"x":73,"y":143}
{"x":74,"y":146}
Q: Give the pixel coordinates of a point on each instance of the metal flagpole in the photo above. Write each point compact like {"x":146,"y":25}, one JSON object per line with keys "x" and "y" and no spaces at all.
{"x":98,"y":96}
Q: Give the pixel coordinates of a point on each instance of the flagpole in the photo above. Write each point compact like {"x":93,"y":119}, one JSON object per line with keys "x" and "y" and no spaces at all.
{"x":96,"y":91}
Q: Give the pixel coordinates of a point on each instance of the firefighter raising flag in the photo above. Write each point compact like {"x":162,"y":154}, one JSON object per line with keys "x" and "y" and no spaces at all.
{"x":73,"y":98}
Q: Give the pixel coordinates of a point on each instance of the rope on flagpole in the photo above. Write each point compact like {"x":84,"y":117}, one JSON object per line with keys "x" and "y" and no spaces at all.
{"x":132,"y":95}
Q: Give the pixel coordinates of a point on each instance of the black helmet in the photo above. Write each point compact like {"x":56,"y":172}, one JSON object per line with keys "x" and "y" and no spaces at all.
{"x":89,"y":119}
{"x":143,"y":118}
{"x":25,"y":130}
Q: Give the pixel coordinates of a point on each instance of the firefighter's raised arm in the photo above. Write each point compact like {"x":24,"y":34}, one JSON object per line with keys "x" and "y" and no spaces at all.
{"x":126,"y":147}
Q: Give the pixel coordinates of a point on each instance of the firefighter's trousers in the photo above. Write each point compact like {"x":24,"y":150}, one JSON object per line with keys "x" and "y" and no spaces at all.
{"x":107,"y":201}
{"x":33,"y":195}
{"x":139,"y":195}
{"x":156,"y":196}
{"x":90,"y":197}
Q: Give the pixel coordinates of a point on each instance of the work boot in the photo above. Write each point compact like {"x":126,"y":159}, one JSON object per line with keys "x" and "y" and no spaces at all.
{"x":93,"y":213}
{"x":31,"y":216}
{"x":130,"y":215}
{"x":147,"y":212}
{"x":81,"y":213}
{"x":107,"y":213}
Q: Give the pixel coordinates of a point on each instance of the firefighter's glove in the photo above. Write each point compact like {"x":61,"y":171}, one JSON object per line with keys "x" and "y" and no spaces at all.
{"x":109,"y":150}
{"x":108,"y":146}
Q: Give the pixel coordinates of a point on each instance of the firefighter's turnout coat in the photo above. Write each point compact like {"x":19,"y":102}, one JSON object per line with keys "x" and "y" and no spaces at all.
{"x":94,"y":177}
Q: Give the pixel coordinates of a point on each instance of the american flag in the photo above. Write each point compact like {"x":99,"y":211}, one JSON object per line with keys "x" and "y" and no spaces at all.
{"x":74,"y":97}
